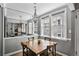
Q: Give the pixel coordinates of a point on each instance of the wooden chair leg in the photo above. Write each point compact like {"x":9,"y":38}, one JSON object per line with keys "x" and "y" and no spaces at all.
{"x":55,"y":50}
{"x":23,"y":51}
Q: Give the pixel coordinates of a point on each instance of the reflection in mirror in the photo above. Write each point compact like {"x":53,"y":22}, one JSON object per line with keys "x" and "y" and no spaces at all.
{"x":13,"y":27}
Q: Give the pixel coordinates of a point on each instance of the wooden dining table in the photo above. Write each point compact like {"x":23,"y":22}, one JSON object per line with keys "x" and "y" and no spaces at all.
{"x":38,"y":45}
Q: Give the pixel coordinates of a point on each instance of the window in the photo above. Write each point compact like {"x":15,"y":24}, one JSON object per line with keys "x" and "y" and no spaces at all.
{"x":30,"y":28}
{"x":23,"y":28}
{"x":36,"y":27}
{"x":57,"y":25}
{"x":45,"y":28}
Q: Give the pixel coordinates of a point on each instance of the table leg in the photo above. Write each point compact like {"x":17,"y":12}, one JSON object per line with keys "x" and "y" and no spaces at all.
{"x":23,"y":50}
{"x":55,"y":49}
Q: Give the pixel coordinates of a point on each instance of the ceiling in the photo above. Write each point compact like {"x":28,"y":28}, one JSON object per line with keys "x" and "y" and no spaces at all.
{"x":28,"y":9}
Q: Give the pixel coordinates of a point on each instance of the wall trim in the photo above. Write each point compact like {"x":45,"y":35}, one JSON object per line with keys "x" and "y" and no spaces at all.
{"x":9,"y":54}
{"x":62,"y":54}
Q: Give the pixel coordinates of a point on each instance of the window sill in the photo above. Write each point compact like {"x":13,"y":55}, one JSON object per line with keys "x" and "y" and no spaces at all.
{"x":59,"y":38}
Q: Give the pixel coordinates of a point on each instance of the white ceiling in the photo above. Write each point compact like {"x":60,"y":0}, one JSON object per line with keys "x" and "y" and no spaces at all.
{"x":29,"y":9}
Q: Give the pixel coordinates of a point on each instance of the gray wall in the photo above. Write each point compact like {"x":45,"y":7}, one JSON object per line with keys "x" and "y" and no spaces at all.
{"x":68,"y":23}
{"x":13,"y":44}
{"x":63,"y":46}
{"x":1,"y":30}
{"x":73,"y":34}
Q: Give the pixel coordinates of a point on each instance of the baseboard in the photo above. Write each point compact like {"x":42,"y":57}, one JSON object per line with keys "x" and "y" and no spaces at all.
{"x":9,"y":54}
{"x":62,"y":54}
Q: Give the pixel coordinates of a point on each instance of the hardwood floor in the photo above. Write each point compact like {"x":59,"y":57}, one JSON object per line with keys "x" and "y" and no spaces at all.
{"x":21,"y":54}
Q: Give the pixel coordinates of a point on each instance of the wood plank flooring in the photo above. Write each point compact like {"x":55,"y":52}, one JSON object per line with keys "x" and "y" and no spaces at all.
{"x":21,"y":54}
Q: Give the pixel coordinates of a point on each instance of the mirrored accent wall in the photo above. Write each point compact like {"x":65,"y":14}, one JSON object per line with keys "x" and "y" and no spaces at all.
{"x":36,"y":27}
{"x":13,"y":27}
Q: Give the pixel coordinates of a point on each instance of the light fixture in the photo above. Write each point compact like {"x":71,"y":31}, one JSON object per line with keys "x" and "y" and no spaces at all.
{"x":35,"y":13}
{"x":20,"y":19}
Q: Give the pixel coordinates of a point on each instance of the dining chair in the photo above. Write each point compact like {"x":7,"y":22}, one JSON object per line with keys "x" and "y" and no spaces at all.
{"x":49,"y":51}
{"x":47,"y":38}
{"x":27,"y":51}
{"x":31,"y":38}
